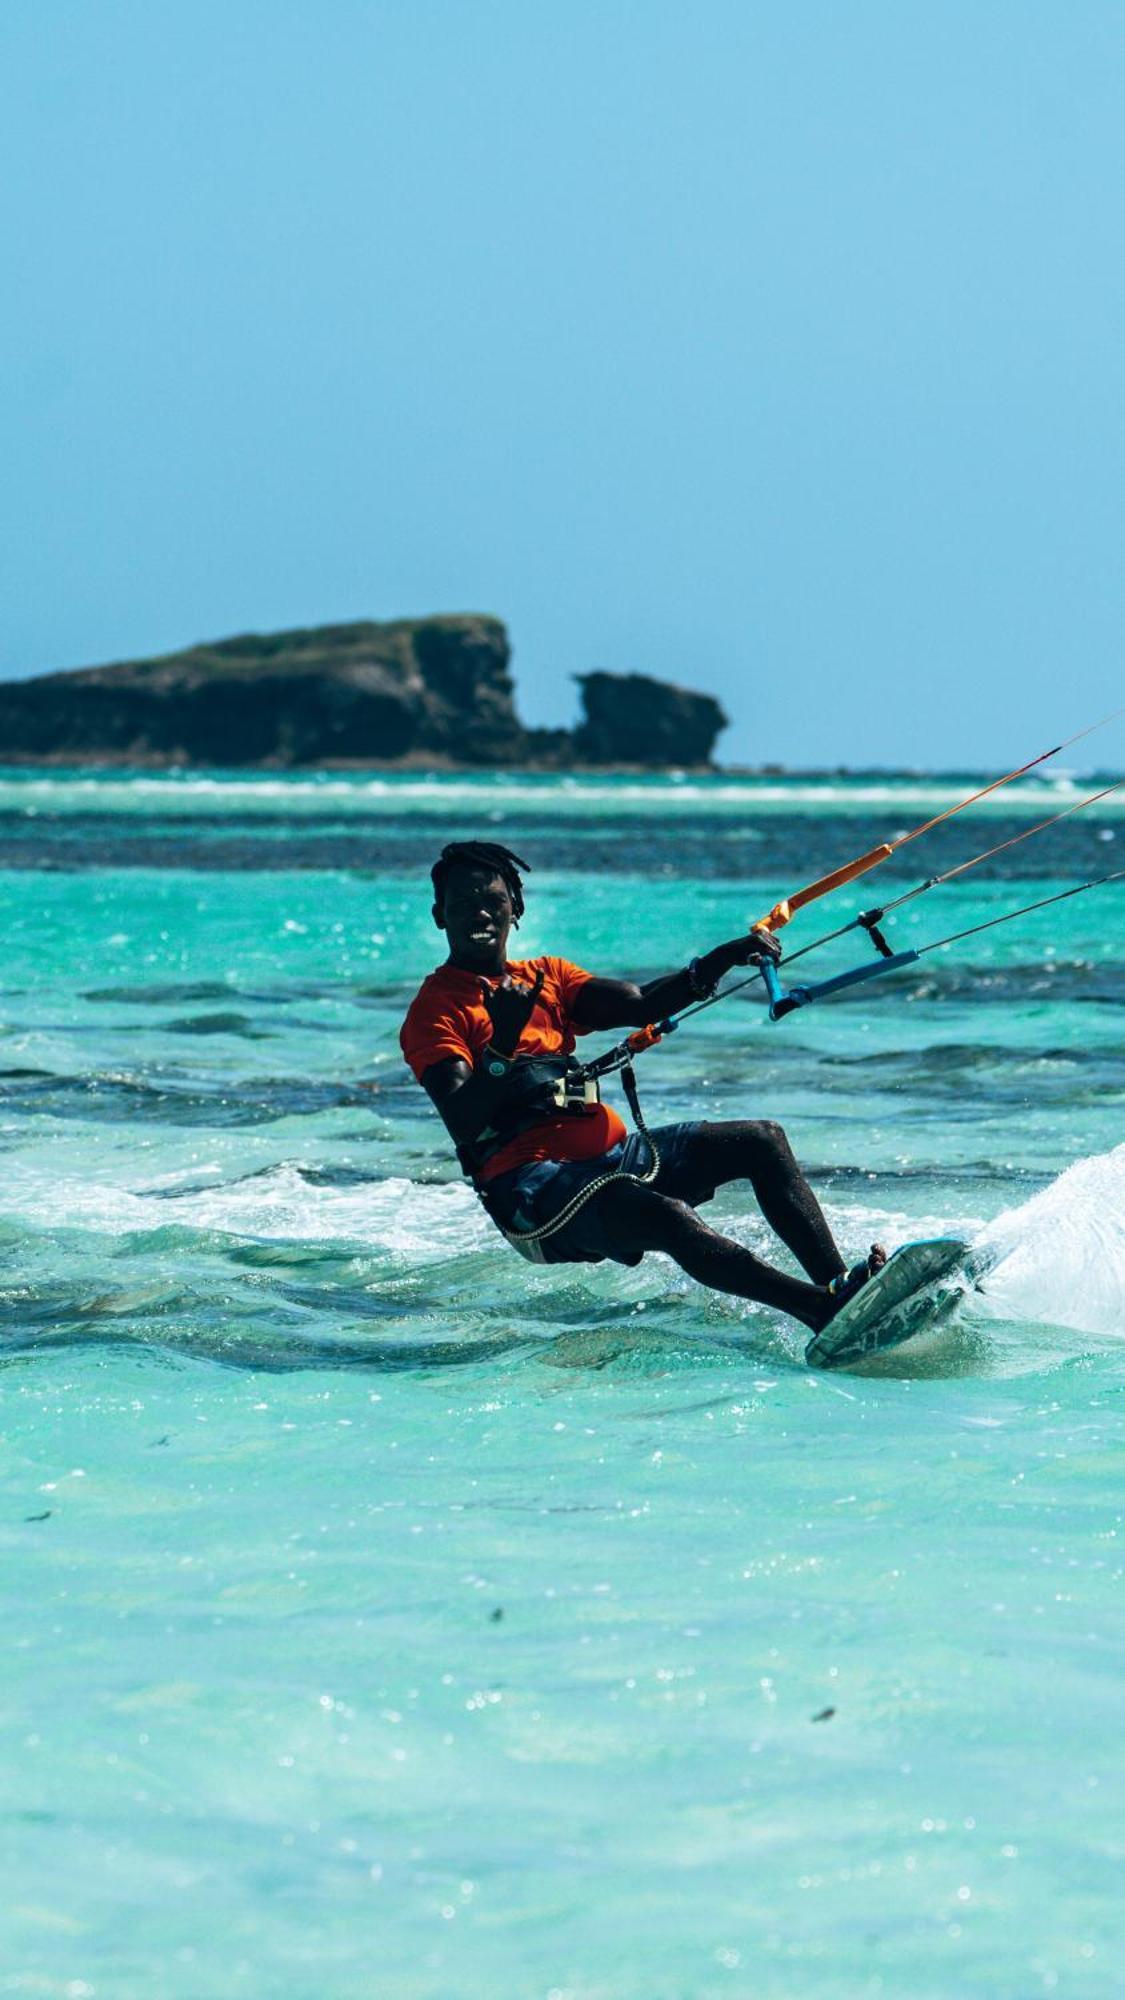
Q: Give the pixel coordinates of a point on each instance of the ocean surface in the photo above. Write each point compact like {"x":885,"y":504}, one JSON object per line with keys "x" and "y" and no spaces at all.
{"x":386,"y":1618}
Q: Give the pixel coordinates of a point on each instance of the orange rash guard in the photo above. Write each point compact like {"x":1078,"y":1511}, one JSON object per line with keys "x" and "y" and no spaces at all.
{"x":447,"y":1017}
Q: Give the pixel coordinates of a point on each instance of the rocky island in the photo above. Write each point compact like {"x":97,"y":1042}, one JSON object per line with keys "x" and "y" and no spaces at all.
{"x":435,"y":691}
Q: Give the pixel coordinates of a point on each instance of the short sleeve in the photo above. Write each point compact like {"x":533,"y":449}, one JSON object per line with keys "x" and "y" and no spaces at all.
{"x":569,"y":980}
{"x":432,"y":1033}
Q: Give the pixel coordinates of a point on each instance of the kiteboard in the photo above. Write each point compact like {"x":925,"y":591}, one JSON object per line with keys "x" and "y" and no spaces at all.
{"x":898,"y":1302}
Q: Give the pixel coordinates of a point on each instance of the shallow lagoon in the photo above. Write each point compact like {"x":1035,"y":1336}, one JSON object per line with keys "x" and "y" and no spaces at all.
{"x":385,"y":1616}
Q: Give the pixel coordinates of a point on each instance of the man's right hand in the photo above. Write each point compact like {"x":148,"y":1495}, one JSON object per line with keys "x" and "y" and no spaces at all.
{"x":510,"y":1007}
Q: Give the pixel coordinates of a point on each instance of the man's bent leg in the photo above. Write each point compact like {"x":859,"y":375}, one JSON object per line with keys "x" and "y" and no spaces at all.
{"x":639,"y":1219}
{"x":757,"y":1150}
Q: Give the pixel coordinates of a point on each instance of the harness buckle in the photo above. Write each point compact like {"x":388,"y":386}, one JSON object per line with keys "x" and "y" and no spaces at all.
{"x":576,"y":1092}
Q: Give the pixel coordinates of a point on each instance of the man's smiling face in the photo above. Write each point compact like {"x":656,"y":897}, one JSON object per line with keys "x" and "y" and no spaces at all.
{"x":476,"y":917}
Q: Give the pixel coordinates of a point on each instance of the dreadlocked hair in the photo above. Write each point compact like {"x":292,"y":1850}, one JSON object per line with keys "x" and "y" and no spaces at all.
{"x":481,"y":854}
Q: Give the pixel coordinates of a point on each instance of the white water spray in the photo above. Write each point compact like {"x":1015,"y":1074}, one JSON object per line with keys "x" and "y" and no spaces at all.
{"x":1060,"y":1258}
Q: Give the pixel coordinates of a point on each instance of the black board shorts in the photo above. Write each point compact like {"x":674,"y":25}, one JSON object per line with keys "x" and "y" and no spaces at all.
{"x":534,"y":1194}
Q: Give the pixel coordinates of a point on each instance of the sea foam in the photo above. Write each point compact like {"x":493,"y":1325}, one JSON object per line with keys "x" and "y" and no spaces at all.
{"x":1060,"y":1257}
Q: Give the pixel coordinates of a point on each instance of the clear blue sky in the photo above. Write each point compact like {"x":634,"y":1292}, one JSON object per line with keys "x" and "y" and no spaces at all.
{"x":779,"y":349}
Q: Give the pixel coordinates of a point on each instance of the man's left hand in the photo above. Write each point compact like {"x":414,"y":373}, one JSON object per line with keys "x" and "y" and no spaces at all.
{"x":754,"y":947}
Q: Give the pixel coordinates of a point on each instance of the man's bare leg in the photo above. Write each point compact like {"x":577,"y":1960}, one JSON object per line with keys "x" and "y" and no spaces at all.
{"x":757,"y":1150}
{"x":639,"y":1219}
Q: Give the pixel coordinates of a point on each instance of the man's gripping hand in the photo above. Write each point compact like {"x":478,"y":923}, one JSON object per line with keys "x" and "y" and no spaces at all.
{"x":749,"y":950}
{"x":510,"y":1007}
{"x":757,"y":945}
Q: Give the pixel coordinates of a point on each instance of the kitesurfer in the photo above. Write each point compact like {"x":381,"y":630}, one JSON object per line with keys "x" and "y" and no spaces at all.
{"x":489,"y":1039}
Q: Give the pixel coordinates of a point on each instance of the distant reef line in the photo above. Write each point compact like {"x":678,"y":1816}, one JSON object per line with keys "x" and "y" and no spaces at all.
{"x":409,"y":694}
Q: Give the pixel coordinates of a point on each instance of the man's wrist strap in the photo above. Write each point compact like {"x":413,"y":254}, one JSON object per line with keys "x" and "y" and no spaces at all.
{"x":697,"y":979}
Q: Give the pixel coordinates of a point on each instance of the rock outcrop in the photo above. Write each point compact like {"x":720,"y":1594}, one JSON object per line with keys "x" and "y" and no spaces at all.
{"x":414,"y":690}
{"x":631,"y":719}
{"x":336,"y":693}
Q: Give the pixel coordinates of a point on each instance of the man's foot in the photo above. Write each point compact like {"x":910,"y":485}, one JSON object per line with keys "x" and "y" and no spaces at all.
{"x":845,"y":1287}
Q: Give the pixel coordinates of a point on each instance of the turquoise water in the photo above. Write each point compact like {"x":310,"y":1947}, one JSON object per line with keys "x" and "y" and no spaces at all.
{"x":386,"y":1617}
